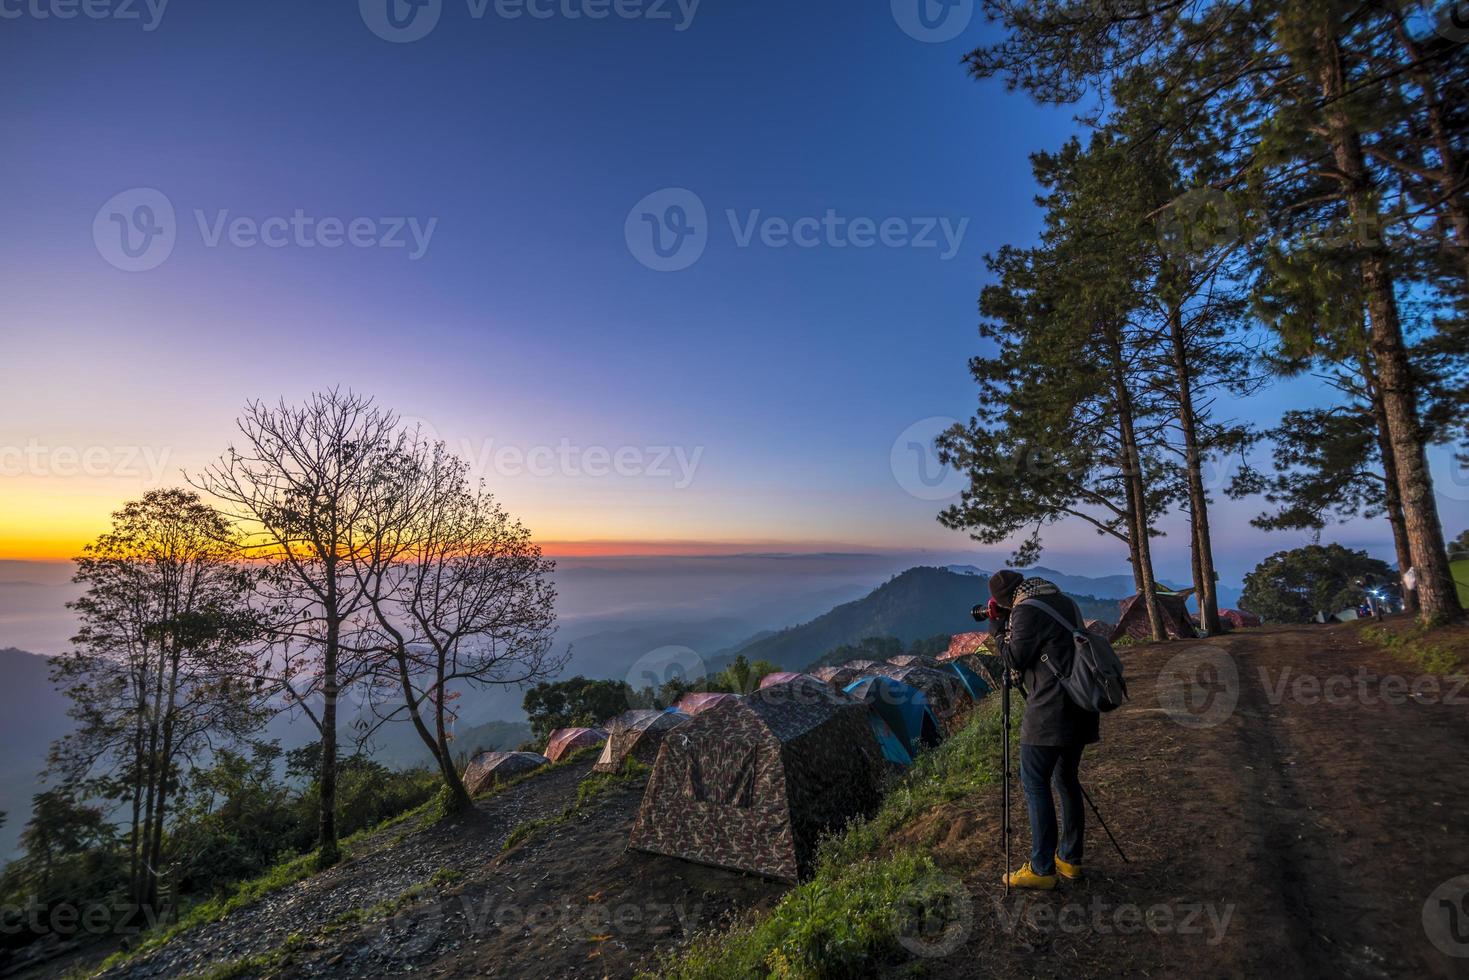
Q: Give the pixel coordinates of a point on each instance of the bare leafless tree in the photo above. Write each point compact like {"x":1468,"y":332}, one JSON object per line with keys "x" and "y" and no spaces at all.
{"x":458,"y":590}
{"x":297,"y":486}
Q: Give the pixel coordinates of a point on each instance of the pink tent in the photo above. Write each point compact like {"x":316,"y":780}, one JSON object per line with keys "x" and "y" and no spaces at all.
{"x":1239,"y":619}
{"x":565,"y":741}
{"x":697,"y":701}
{"x":963,"y":644}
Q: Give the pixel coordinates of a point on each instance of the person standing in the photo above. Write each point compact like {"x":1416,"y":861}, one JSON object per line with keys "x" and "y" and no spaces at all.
{"x":1055,"y":731}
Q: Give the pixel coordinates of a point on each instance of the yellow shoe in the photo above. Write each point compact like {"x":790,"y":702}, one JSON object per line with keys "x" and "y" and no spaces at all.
{"x":1026,"y":878}
{"x":1071,"y":872}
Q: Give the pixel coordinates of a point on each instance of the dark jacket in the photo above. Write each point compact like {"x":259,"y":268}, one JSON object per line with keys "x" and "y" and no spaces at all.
{"x":1051,"y":717}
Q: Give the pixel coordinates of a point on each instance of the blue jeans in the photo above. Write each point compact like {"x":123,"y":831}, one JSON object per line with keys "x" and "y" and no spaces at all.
{"x":1038,"y":765}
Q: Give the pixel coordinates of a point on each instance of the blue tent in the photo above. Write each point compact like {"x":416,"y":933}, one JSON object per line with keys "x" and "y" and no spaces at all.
{"x":892,"y":747}
{"x":903,"y":707}
{"x":975,"y":684}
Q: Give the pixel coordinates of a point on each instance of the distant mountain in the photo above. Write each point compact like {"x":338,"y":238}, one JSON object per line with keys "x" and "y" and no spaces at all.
{"x":1102,"y":586}
{"x":920,"y":603}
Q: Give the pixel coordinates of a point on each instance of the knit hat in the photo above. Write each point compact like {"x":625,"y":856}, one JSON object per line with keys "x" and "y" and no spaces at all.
{"x":1003,"y":585}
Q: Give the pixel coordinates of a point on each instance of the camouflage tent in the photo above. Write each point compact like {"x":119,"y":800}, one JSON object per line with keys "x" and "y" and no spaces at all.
{"x":946,"y":696}
{"x":964,"y":644}
{"x":988,"y":665}
{"x":1171,"y":608}
{"x":864,"y":666}
{"x":782,"y":677}
{"x":913,"y":660}
{"x":1100,"y":627}
{"x":752,"y":784}
{"x":492,"y":768}
{"x":564,"y":741}
{"x":837,"y":677}
{"x":697,"y":701}
{"x":637,"y":734}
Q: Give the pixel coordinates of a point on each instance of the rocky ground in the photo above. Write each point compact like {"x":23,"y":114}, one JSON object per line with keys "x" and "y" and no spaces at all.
{"x":449,"y":899}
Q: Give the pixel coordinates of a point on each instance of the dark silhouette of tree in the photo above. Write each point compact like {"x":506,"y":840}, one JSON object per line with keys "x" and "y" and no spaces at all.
{"x":156,"y":674}
{"x":1293,"y":586}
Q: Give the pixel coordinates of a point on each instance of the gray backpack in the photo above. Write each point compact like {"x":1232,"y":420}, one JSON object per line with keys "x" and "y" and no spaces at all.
{"x":1095,"y":679}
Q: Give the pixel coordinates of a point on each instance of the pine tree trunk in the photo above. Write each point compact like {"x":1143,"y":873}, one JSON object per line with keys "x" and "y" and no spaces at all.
{"x":1198,"y":499}
{"x":1391,"y":500}
{"x":1195,"y":567}
{"x":1438,"y":599}
{"x":1137,"y":493}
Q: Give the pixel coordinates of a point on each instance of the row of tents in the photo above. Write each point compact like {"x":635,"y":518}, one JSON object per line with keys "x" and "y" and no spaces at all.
{"x":752,"y":782}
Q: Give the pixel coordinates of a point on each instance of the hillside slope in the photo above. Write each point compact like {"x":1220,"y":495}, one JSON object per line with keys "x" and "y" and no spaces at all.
{"x":1269,"y":830}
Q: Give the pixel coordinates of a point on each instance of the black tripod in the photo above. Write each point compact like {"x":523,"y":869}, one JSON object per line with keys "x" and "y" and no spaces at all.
{"x":1005,"y":685}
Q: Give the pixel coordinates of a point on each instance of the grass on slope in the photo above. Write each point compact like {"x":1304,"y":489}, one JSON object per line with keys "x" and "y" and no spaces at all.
{"x":1438,"y":650}
{"x":865,"y":888}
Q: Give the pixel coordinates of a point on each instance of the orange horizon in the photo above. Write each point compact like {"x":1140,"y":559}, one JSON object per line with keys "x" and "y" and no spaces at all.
{"x":62,"y":551}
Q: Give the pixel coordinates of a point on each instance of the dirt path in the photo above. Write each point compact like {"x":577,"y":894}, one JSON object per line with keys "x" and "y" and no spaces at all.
{"x":1289,"y":806}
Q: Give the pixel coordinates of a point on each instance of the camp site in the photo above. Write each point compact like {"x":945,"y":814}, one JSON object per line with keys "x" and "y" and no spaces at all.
{"x":712,"y":490}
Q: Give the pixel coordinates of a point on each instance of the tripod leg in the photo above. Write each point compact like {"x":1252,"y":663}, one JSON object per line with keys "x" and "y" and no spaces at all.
{"x":1005,"y":790}
{"x":1098,"y":814}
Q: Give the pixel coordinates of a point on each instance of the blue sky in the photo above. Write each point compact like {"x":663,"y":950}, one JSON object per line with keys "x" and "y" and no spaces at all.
{"x":522,"y":145}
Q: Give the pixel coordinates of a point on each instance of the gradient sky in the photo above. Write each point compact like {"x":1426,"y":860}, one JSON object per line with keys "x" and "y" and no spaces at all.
{"x":784,"y":376}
